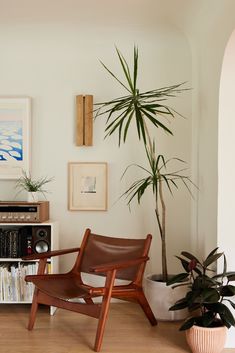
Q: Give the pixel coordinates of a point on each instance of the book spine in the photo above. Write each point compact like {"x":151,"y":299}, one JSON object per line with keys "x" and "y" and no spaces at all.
{"x":4,"y":244}
{"x":14,"y":243}
{"x":1,"y":242}
{"x":8,"y":243}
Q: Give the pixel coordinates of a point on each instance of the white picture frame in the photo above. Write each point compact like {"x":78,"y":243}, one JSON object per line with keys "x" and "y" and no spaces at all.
{"x":15,"y":132}
{"x":87,"y":187}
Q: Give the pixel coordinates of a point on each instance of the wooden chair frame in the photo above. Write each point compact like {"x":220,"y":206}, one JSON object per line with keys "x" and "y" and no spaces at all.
{"x":130,"y":292}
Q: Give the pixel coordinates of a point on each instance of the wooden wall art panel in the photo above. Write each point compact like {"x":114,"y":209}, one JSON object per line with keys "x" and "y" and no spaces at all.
{"x":84,"y":120}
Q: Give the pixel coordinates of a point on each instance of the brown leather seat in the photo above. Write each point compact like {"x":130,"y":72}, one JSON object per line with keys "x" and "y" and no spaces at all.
{"x":64,"y":287}
{"x":112,"y":258}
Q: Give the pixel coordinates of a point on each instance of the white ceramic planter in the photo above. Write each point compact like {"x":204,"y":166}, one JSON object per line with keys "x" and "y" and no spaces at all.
{"x":32,"y":197}
{"x":161,"y":297}
{"x":206,"y":339}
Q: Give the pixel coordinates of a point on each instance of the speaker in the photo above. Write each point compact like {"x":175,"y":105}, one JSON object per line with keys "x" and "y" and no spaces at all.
{"x":41,"y":239}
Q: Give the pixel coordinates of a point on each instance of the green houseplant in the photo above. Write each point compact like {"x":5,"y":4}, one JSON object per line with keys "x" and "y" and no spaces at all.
{"x":207,"y":293}
{"x":145,"y":110}
{"x":32,"y":186}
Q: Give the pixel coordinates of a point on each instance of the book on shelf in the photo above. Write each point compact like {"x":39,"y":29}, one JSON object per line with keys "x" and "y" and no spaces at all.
{"x":13,"y":287}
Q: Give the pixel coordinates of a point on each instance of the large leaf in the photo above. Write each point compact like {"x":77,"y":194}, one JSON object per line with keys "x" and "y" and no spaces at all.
{"x":181,"y":277}
{"x":225,"y":320}
{"x":211,"y":259}
{"x":189,"y":256}
{"x":184,"y":263}
{"x":193,"y":307}
{"x":232,"y":303}
{"x":209,"y":295}
{"x":187,"y":324}
{"x":224,"y":312}
{"x":208,"y":318}
{"x":202,"y":282}
{"x":179,"y":305}
{"x":227,"y":291}
{"x":212,"y":252}
{"x":225,"y":266}
{"x":181,"y":285}
{"x":231,"y":276}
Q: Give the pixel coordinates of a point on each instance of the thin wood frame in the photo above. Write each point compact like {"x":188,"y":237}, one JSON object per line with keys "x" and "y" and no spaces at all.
{"x":84,"y":122}
{"x":87,"y":187}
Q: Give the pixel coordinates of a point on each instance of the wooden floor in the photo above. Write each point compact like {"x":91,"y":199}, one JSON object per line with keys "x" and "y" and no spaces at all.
{"x":127,"y":331}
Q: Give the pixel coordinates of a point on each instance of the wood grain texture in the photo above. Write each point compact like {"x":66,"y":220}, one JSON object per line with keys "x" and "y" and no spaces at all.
{"x":66,"y":332}
{"x":42,"y":207}
{"x":50,"y":254}
{"x":57,"y":289}
{"x":79,"y":120}
{"x":88,"y":115}
{"x":84,"y":120}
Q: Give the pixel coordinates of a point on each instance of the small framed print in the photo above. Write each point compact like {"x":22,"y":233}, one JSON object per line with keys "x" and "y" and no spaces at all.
{"x":15,"y":125}
{"x":87,"y":186}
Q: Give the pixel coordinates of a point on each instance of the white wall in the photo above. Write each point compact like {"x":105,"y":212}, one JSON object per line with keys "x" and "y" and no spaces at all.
{"x":208,"y":32}
{"x":50,"y":51}
{"x":226,"y":188}
{"x":52,"y":61}
{"x":207,"y":24}
{"x":208,"y":29}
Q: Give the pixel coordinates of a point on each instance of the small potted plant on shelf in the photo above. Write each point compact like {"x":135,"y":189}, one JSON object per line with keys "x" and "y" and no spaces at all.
{"x":32,"y":186}
{"x":207,"y":293}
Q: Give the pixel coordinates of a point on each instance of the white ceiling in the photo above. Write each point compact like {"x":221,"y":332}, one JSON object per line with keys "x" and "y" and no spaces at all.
{"x":195,"y":18}
{"x":183,"y":13}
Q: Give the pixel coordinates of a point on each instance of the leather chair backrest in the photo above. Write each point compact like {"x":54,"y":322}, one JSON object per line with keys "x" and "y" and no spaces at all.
{"x":99,"y":249}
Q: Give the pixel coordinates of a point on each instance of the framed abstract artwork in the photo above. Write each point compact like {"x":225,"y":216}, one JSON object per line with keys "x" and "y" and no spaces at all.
{"x":87,"y":186}
{"x":15,"y":124}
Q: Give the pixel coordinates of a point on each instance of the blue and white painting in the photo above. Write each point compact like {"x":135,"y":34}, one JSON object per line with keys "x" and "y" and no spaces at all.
{"x":11,"y":140}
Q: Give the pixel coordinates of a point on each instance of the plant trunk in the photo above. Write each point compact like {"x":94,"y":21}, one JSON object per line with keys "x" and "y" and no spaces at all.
{"x":161,"y":219}
{"x":163,"y":223}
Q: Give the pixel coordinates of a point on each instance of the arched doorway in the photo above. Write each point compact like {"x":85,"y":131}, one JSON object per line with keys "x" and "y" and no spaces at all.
{"x":226,"y":162}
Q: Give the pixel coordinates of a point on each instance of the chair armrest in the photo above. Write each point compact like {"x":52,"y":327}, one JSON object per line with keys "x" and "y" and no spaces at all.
{"x":117,"y":265}
{"x":48,"y":254}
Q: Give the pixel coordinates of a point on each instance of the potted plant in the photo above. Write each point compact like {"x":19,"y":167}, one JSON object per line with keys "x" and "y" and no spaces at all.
{"x":32,"y":186}
{"x":145,"y":110}
{"x":207,"y":292}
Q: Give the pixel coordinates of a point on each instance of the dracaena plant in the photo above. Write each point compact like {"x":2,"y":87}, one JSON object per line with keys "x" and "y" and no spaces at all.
{"x":207,"y":291}
{"x":144,"y":110}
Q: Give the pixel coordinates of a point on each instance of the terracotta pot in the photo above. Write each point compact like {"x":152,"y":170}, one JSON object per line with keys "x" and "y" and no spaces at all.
{"x":206,"y":339}
{"x":161,"y":297}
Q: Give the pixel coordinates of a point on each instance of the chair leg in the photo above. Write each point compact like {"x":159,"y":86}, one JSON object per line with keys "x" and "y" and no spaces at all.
{"x":104,"y":310}
{"x":34,"y":306}
{"x":146,"y":308}
{"x":88,"y":301}
{"x":33,"y":312}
